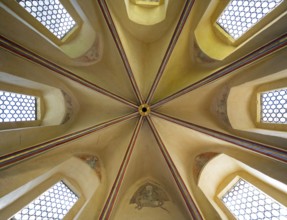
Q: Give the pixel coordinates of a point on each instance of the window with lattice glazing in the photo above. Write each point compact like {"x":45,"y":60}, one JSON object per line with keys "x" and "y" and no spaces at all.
{"x":52,"y":14}
{"x":148,"y":2}
{"x":273,"y":106}
{"x":55,"y":203}
{"x":15,"y":107}
{"x":247,"y":202}
{"x":241,"y":15}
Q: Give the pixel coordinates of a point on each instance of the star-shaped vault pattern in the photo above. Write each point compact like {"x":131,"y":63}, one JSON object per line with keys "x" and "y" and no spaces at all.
{"x":146,"y":109}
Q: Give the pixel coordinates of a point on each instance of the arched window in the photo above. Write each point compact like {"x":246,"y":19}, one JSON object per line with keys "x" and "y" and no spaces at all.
{"x":59,"y":193}
{"x":238,"y":191}
{"x":230,"y":25}
{"x":26,"y":103}
{"x":54,"y":203}
{"x":147,"y":2}
{"x":273,"y":106}
{"x":239,"y":15}
{"x":52,"y":14}
{"x":15,"y":107}
{"x":259,"y":105}
{"x":63,"y":23}
{"x":146,"y":12}
{"x":246,"y":201}
{"x":56,"y":19}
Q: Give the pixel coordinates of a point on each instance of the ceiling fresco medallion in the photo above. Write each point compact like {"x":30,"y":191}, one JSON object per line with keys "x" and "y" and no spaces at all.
{"x":149,"y":195}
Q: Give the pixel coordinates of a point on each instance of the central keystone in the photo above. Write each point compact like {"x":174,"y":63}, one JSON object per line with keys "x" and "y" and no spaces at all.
{"x":144,"y":109}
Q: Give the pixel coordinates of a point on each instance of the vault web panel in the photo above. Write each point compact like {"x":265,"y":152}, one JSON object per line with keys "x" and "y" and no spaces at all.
{"x":17,"y":107}
{"x":52,"y":14}
{"x":239,"y":15}
{"x":55,"y":203}
{"x":247,"y":202}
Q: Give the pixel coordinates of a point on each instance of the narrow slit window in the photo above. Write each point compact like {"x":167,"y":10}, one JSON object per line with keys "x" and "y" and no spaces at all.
{"x":15,"y":107}
{"x":274,"y":106}
{"x":148,"y":2}
{"x":245,"y":202}
{"x":241,"y":15}
{"x":52,"y":14}
{"x":55,"y":203}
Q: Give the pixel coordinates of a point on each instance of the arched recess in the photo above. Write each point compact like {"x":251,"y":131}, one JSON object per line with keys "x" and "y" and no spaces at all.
{"x":209,"y":33}
{"x":243,"y":105}
{"x":49,"y":98}
{"x":146,"y":13}
{"x":218,"y":173}
{"x":75,"y":172}
{"x":82,"y":44}
{"x":57,"y":108}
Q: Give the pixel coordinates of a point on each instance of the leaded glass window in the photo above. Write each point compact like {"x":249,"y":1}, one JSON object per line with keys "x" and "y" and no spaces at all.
{"x":52,"y":14}
{"x":55,"y":203}
{"x":240,"y":15}
{"x":247,"y":202}
{"x":148,"y":2}
{"x":274,"y":106}
{"x":17,"y":107}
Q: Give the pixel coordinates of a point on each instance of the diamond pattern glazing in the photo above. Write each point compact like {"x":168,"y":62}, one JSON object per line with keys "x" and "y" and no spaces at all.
{"x":274,"y":106}
{"x":17,"y":107}
{"x":246,"y":202}
{"x":52,"y":14}
{"x":52,"y":204}
{"x":240,"y":15}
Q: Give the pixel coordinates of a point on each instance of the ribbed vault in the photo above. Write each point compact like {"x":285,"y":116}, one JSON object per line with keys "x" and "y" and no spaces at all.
{"x":146,"y":109}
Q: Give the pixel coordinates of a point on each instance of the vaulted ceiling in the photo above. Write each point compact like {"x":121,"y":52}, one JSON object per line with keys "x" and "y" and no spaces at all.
{"x":147,"y":105}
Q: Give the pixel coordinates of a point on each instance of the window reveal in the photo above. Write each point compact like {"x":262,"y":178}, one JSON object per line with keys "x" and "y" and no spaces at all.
{"x":241,"y":15}
{"x":55,"y":203}
{"x":52,"y":14}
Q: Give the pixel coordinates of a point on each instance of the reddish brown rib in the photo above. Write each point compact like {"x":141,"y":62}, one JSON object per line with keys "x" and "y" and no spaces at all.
{"x":119,"y":45}
{"x":18,"y":156}
{"x":260,"y":148}
{"x":187,"y":8}
{"x":23,"y":52}
{"x":106,"y":212}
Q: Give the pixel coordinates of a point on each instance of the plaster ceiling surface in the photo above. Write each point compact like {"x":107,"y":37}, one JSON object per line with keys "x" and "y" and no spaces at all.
{"x":153,"y":65}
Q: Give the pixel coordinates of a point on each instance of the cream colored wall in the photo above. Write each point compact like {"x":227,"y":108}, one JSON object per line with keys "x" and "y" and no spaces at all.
{"x":110,"y":152}
{"x":74,"y":172}
{"x":244,"y":106}
{"x":184,"y":68}
{"x":145,"y":47}
{"x":184,"y":145}
{"x":209,"y":33}
{"x":83,"y":106}
{"x":228,"y":169}
{"x":207,"y":105}
{"x":99,"y":73}
{"x":147,"y":164}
